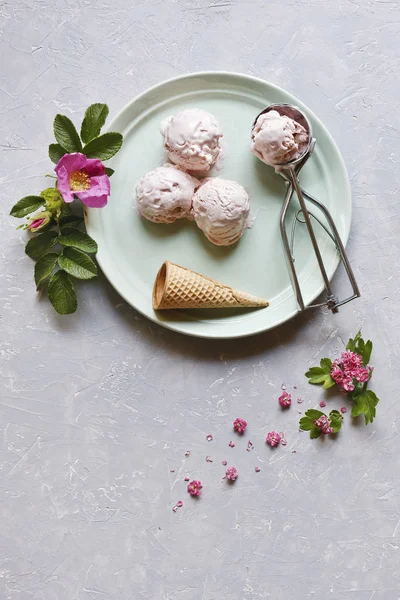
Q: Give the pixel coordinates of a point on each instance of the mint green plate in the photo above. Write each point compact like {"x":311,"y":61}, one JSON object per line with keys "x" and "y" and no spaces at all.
{"x":131,"y":250}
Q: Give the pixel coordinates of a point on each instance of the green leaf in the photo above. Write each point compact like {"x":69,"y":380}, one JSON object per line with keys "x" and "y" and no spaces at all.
{"x":25,"y":206}
{"x":78,"y":239}
{"x":94,"y":119}
{"x":56,"y":152}
{"x":314,"y":414}
{"x":315,"y":433}
{"x":351,"y":345}
{"x":336,"y":420}
{"x":66,"y":134}
{"x":104,"y":147}
{"x":65,"y":210}
{"x":44,"y":267}
{"x":318,"y":376}
{"x":365,"y":403}
{"x":367,"y":353}
{"x":61,"y":293}
{"x":109,"y":171}
{"x":306,"y":424}
{"x":326,"y":364}
{"x":321,"y":375}
{"x":41,"y":244}
{"x":334,"y":414}
{"x":70,"y":222}
{"x":329,"y":382}
{"x":77,"y":263}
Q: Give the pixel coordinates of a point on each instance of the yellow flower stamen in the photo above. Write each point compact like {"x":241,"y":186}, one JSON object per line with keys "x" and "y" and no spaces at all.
{"x":79,"y":181}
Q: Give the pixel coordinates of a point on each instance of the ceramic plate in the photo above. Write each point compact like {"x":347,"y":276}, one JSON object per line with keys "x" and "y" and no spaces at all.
{"x":131,"y":250}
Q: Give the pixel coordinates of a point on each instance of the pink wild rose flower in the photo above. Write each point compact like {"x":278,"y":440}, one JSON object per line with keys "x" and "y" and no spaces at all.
{"x":239,"y":425}
{"x":285,"y":400}
{"x":83,"y":177}
{"x":273,"y":438}
{"x":231,"y":473}
{"x":194,"y":488}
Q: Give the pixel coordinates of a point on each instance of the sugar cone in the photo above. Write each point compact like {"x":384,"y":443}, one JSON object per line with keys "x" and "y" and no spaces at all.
{"x":177,"y":287}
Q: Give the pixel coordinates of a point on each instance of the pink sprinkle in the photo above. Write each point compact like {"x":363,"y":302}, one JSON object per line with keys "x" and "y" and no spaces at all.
{"x":322,"y":404}
{"x":273,"y":438}
{"x":194,"y":488}
{"x":257,"y":469}
{"x":187,"y":453}
{"x":285,"y":400}
{"x":179,"y":504}
{"x":295,"y":387}
{"x":224,"y":462}
{"x":208,"y":459}
{"x":231,"y":473}
{"x":294,"y":451}
{"x":209,"y":438}
{"x":231,"y":444}
{"x":343,"y":409}
{"x":283,"y":441}
{"x":174,"y":508}
{"x":172,"y":470}
{"x":187,"y":478}
{"x":283,"y":386}
{"x":299,"y":400}
{"x":239,"y":425}
{"x":249,"y":446}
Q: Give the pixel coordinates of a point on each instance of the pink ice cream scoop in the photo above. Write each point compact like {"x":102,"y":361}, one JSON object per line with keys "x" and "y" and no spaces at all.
{"x":278,"y":139}
{"x":192,"y":139}
{"x":221,"y":209}
{"x":165,"y":194}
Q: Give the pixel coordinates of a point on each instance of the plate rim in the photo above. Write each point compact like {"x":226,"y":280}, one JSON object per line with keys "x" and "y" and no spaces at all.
{"x":172,"y":325}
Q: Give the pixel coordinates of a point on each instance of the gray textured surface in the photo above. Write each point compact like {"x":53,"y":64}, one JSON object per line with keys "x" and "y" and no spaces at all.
{"x":97,"y":408}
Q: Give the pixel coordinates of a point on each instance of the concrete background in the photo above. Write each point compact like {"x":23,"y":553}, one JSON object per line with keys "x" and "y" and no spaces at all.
{"x":97,"y":410}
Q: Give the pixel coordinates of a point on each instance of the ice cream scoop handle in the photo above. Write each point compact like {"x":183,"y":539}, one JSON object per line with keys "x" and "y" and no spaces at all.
{"x":288,"y":249}
{"x":331,"y":300}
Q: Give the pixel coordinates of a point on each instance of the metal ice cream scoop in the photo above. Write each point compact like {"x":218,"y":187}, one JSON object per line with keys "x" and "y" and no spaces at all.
{"x":290,"y":171}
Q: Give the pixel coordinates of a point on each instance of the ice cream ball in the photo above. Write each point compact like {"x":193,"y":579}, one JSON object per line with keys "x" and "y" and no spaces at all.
{"x":277,"y":139}
{"x":221,"y":210}
{"x":192,"y":139}
{"x":165,"y":194}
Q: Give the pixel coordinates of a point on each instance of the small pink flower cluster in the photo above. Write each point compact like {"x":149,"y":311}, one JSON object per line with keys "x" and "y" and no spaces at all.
{"x":231,"y":473}
{"x":285,"y":400}
{"x":273,"y":438}
{"x":194,"y":488}
{"x":348,"y":368}
{"x":239,"y":425}
{"x":324,"y":424}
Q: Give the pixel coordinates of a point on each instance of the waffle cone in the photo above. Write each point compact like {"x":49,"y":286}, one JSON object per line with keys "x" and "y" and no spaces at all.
{"x":177,"y":287}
